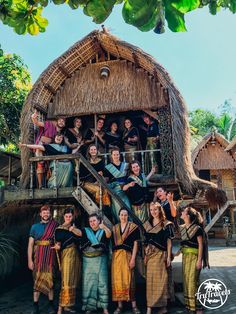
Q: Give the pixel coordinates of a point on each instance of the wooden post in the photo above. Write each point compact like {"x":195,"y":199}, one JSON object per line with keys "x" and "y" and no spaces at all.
{"x":9,"y":170}
{"x":95,"y":129}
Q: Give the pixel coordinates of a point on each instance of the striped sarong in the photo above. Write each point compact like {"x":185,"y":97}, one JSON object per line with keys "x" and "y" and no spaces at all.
{"x":95,"y":283}
{"x":123,"y":281}
{"x":70,"y":273}
{"x":190,"y":278}
{"x":156,"y":279}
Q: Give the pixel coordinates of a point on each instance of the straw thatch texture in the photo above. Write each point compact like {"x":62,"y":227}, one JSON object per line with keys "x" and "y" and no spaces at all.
{"x":86,"y":92}
{"x":232,"y":146}
{"x":211,"y":154}
{"x":71,"y":85}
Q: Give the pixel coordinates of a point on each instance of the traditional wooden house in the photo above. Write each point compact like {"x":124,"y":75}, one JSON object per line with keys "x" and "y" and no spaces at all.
{"x":133,"y":83}
{"x":213,"y":161}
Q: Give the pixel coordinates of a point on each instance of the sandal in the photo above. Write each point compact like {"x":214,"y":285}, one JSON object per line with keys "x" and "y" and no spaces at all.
{"x":136,"y":310}
{"x":118,"y":310}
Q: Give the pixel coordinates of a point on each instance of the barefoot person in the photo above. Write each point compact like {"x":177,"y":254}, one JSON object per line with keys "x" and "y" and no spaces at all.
{"x":41,"y":257}
{"x":95,"y":240}
{"x":67,"y":238}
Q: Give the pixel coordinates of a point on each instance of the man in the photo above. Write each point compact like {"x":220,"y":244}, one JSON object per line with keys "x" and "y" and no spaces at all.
{"x":95,"y":265}
{"x":47,"y":132}
{"x":41,"y":257}
{"x":96,"y":136}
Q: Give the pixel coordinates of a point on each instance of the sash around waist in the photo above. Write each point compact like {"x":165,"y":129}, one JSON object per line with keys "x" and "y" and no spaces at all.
{"x":93,"y":254}
{"x":122,"y":247}
{"x":42,"y":242}
{"x":191,"y":250}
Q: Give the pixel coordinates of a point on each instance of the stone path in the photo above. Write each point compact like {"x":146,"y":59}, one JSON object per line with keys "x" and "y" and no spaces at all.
{"x":223,"y":267}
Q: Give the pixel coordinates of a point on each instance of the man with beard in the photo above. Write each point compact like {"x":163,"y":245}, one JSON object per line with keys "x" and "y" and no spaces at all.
{"x":41,"y":257}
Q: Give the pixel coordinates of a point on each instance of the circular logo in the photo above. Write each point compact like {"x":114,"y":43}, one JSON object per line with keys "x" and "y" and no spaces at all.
{"x":212,"y":293}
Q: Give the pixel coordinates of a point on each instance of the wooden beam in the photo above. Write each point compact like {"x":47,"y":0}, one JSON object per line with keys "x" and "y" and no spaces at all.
{"x":64,"y":70}
{"x":50,"y":89}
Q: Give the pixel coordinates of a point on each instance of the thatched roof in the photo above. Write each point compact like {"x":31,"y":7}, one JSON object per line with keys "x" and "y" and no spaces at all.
{"x":71,"y":85}
{"x":232,"y":146}
{"x":211,"y":153}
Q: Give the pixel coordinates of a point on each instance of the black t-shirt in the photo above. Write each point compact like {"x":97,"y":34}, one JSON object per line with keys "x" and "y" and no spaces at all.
{"x":166,"y":206}
{"x":85,"y":174}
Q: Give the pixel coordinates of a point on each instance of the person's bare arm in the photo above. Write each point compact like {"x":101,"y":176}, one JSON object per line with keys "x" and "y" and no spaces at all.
{"x":133,"y":257}
{"x":33,"y":146}
{"x":30,"y":253}
{"x":35,"y":121}
{"x":106,"y":229}
{"x":173,"y":210}
{"x":169,"y":252}
{"x":200,"y":251}
{"x":154,"y":169}
{"x":75,"y":230}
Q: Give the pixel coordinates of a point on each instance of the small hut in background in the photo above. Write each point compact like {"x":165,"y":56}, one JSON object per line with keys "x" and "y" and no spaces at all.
{"x":213,"y":161}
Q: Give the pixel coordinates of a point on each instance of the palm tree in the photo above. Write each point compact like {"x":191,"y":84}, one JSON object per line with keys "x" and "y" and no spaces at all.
{"x":8,"y":253}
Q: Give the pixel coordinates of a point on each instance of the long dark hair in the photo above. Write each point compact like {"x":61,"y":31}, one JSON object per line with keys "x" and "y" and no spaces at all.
{"x":195,"y":216}
{"x":69,"y":210}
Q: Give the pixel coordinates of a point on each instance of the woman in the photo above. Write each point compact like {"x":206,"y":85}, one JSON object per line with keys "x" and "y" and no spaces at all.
{"x":194,"y":250}
{"x":157,"y":258}
{"x":89,"y":182}
{"x":112,"y":137}
{"x":130,"y":139}
{"x":74,"y":135}
{"x":95,"y":242}
{"x":67,"y":238}
{"x":61,"y":170}
{"x":136,"y":189}
{"x":116,"y":175}
{"x":125,"y":247}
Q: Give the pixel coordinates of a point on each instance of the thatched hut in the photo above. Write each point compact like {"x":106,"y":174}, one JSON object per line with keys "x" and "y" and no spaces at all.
{"x":72,"y":86}
{"x":213,"y":161}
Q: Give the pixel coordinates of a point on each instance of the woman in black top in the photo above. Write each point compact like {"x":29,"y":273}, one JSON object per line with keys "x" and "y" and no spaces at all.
{"x":112,"y":137}
{"x":90,"y":184}
{"x":131,"y":140}
{"x":194,"y":250}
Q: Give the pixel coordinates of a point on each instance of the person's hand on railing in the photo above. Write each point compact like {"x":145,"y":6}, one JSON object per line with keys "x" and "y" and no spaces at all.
{"x":34,"y":115}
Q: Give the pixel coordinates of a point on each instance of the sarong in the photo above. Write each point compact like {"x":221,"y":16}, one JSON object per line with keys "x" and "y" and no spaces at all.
{"x":152,"y":158}
{"x":62,"y":174}
{"x":157,"y":279}
{"x":94,"y":189}
{"x":115,"y":207}
{"x":122,"y":277}
{"x":95,"y":283}
{"x":190,"y":278}
{"x":70,"y":273}
{"x":141,"y":211}
{"x":129,"y":156}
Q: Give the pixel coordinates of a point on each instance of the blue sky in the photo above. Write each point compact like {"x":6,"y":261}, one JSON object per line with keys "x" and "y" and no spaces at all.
{"x":200,"y":61}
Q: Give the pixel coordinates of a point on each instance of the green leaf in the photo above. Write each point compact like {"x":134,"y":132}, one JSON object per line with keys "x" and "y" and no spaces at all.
{"x":74,"y":4}
{"x":58,"y":2}
{"x":140,"y":13}
{"x":185,"y":6}
{"x":175,"y":19}
{"x":99,"y":10}
{"x":41,"y":21}
{"x":20,"y":29}
{"x":213,"y":7}
{"x":43,"y":3}
{"x":232,"y":6}
{"x":33,"y":29}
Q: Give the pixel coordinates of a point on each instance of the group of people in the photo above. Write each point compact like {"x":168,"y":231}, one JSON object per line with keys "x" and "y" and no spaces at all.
{"x":54,"y":138}
{"x":85,"y":253}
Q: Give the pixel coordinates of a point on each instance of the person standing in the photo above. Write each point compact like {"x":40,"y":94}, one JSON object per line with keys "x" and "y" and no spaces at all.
{"x":67,"y":238}
{"x":116,"y":174}
{"x":158,"y":247}
{"x":131,"y":140}
{"x":96,"y":136}
{"x":195,"y":256}
{"x":136,"y":190}
{"x":41,"y":257}
{"x":125,"y":238}
{"x":95,"y":240}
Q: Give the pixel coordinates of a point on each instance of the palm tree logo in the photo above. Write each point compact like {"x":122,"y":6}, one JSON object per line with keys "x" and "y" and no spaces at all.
{"x":212,"y":293}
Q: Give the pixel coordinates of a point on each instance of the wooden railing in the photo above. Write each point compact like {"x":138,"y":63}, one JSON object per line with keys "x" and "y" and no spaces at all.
{"x":80,"y":159}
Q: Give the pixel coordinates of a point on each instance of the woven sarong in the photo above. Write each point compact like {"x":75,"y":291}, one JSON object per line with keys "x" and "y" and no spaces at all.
{"x":70,"y":273}
{"x":122,"y":277}
{"x":190,"y":278}
{"x":95,"y":283}
{"x":157,"y":279}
